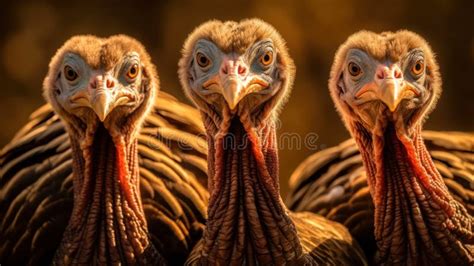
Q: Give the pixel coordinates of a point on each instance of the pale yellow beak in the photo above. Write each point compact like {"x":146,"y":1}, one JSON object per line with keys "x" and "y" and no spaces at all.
{"x":234,"y":82}
{"x":102,"y":104}
{"x":234,"y":89}
{"x":391,"y":94}
{"x":388,"y":86}
{"x":101,"y":96}
{"x":233,"y":92}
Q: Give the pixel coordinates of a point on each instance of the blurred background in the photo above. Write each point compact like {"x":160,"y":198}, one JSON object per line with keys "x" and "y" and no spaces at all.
{"x":30,"y":33}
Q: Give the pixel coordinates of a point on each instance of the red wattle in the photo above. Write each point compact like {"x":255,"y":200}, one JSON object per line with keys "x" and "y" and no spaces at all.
{"x":122,"y":172}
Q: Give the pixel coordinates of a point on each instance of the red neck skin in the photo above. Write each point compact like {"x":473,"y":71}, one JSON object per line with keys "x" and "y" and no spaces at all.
{"x":248,"y":222}
{"x":417,"y":222}
{"x":107,"y":225}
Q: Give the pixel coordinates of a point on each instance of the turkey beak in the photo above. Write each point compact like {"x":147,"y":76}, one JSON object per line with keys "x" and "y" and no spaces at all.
{"x":101,"y":104}
{"x":232,"y":92}
{"x":234,"y":81}
{"x":102,"y":95}
{"x":393,"y":93}
{"x":230,"y":88}
{"x":389,"y":86}
{"x":389,"y":80}
{"x":234,"y":89}
{"x":390,"y":95}
{"x":233,"y":74}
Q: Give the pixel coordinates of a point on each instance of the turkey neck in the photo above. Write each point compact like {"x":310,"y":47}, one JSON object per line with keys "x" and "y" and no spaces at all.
{"x":107,"y":224}
{"x":417,"y":222}
{"x":247,"y":221}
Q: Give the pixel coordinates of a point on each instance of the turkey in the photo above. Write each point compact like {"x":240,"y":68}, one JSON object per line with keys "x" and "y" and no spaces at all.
{"x":239,"y":74}
{"x":407,"y":196}
{"x":114,"y":175}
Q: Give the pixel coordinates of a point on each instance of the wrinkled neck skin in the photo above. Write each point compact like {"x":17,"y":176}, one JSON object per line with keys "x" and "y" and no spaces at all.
{"x":107,"y":225}
{"x":248,"y":223}
{"x":417,"y":221}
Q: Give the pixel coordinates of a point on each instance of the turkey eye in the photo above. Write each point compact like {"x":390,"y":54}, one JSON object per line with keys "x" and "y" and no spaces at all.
{"x":133,"y":71}
{"x":354,"y":69}
{"x":418,"y":67}
{"x":267,"y":58}
{"x":202,"y":60}
{"x":69,"y":73}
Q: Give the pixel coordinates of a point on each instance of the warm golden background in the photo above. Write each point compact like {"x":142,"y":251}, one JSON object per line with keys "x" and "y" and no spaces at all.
{"x":31,"y":32}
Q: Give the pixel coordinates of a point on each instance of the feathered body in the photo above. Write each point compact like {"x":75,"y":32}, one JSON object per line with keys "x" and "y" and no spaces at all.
{"x":117,"y":178}
{"x":384,"y":86}
{"x":239,"y":74}
{"x":333,"y":182}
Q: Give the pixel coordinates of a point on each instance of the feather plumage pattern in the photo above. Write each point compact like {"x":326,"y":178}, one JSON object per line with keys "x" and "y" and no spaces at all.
{"x":333,"y":182}
{"x":36,"y":192}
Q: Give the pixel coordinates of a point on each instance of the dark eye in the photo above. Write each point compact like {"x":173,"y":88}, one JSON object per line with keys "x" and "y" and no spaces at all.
{"x":133,"y":71}
{"x":354,"y":69}
{"x":267,"y":58}
{"x":202,"y":60}
{"x":418,"y":67}
{"x":70,"y":73}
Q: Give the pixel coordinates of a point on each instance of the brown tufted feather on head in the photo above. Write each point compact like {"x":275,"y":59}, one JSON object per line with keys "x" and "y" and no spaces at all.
{"x":391,"y":75}
{"x":109,"y":80}
{"x":100,"y":52}
{"x":245,"y":66}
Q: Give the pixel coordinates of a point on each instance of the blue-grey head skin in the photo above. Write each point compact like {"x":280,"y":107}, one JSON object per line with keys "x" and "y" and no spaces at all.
{"x":233,"y":75}
{"x":99,"y":89}
{"x":384,"y":76}
{"x":235,"y":67}
{"x":93,"y":79}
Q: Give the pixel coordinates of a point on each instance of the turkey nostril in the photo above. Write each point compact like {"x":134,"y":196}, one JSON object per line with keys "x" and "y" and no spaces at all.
{"x":380,"y":75}
{"x":241,"y":70}
{"x":397,"y":74}
{"x":224,"y":70}
{"x":110,"y":83}
{"x":94,"y":84}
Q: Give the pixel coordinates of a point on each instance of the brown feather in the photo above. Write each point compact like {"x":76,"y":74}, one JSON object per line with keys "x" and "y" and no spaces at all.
{"x":347,"y":208}
{"x":174,"y":227}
